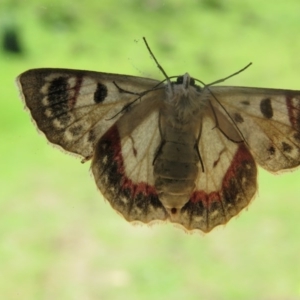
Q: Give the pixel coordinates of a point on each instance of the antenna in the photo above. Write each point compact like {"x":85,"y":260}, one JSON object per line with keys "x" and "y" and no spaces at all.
{"x":157,"y":63}
{"x":225,"y":78}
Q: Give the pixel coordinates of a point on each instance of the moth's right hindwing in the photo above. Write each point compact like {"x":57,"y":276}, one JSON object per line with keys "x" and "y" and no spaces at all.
{"x":227,"y":184}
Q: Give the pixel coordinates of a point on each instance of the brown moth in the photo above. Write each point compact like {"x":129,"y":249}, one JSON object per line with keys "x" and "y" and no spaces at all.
{"x":167,"y":151}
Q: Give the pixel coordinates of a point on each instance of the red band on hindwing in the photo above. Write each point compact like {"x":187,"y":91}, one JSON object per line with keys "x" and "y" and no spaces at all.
{"x":238,"y":188}
{"x":132,"y":200}
{"x":139,"y":201}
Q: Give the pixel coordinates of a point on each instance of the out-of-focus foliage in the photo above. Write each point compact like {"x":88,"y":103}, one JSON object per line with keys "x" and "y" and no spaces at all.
{"x":59,"y":238}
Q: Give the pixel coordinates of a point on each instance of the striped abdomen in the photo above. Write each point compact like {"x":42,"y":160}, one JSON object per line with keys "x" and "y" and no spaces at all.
{"x":176,"y":167}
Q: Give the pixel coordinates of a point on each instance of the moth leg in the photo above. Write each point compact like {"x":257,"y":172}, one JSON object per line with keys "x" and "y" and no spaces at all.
{"x":228,"y":128}
{"x":121,"y":90}
{"x":197,"y":148}
{"x":163,"y":141}
{"x":216,"y":114}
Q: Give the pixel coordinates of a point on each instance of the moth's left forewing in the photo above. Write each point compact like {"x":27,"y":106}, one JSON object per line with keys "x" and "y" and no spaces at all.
{"x":75,"y":108}
{"x":268,"y":121}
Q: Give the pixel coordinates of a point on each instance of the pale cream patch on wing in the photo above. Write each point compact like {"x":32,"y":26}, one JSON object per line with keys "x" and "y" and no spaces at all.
{"x":138,"y":150}
{"x":217,"y":153}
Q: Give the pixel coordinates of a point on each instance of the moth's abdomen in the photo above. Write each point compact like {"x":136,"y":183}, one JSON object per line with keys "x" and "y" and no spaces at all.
{"x":175,"y":171}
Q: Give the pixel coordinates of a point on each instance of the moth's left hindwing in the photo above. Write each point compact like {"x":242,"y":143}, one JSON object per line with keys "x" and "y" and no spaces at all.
{"x":75,"y":108}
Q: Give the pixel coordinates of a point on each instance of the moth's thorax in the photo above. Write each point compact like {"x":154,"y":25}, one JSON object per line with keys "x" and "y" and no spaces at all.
{"x":184,"y":103}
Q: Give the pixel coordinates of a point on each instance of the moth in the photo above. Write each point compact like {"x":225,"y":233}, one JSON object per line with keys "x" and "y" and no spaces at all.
{"x":167,"y":150}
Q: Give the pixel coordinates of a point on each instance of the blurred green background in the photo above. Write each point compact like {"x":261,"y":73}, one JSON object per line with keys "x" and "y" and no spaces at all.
{"x":59,"y":239}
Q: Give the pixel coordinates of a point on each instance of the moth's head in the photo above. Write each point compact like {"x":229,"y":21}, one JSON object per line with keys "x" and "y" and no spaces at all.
{"x":186,"y":81}
{"x":183,"y":97}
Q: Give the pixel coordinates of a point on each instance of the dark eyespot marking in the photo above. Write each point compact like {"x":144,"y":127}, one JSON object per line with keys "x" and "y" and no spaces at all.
{"x":245,"y":102}
{"x":101,"y":93}
{"x":266,"y":108}
{"x":58,"y":92}
{"x":58,"y":97}
{"x":286,"y":147}
{"x":173,"y":210}
{"x":75,"y":130}
{"x":238,"y":118}
{"x":271,"y":150}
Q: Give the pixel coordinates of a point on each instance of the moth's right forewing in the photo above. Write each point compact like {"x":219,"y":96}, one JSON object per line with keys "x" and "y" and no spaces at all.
{"x":268,"y":120}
